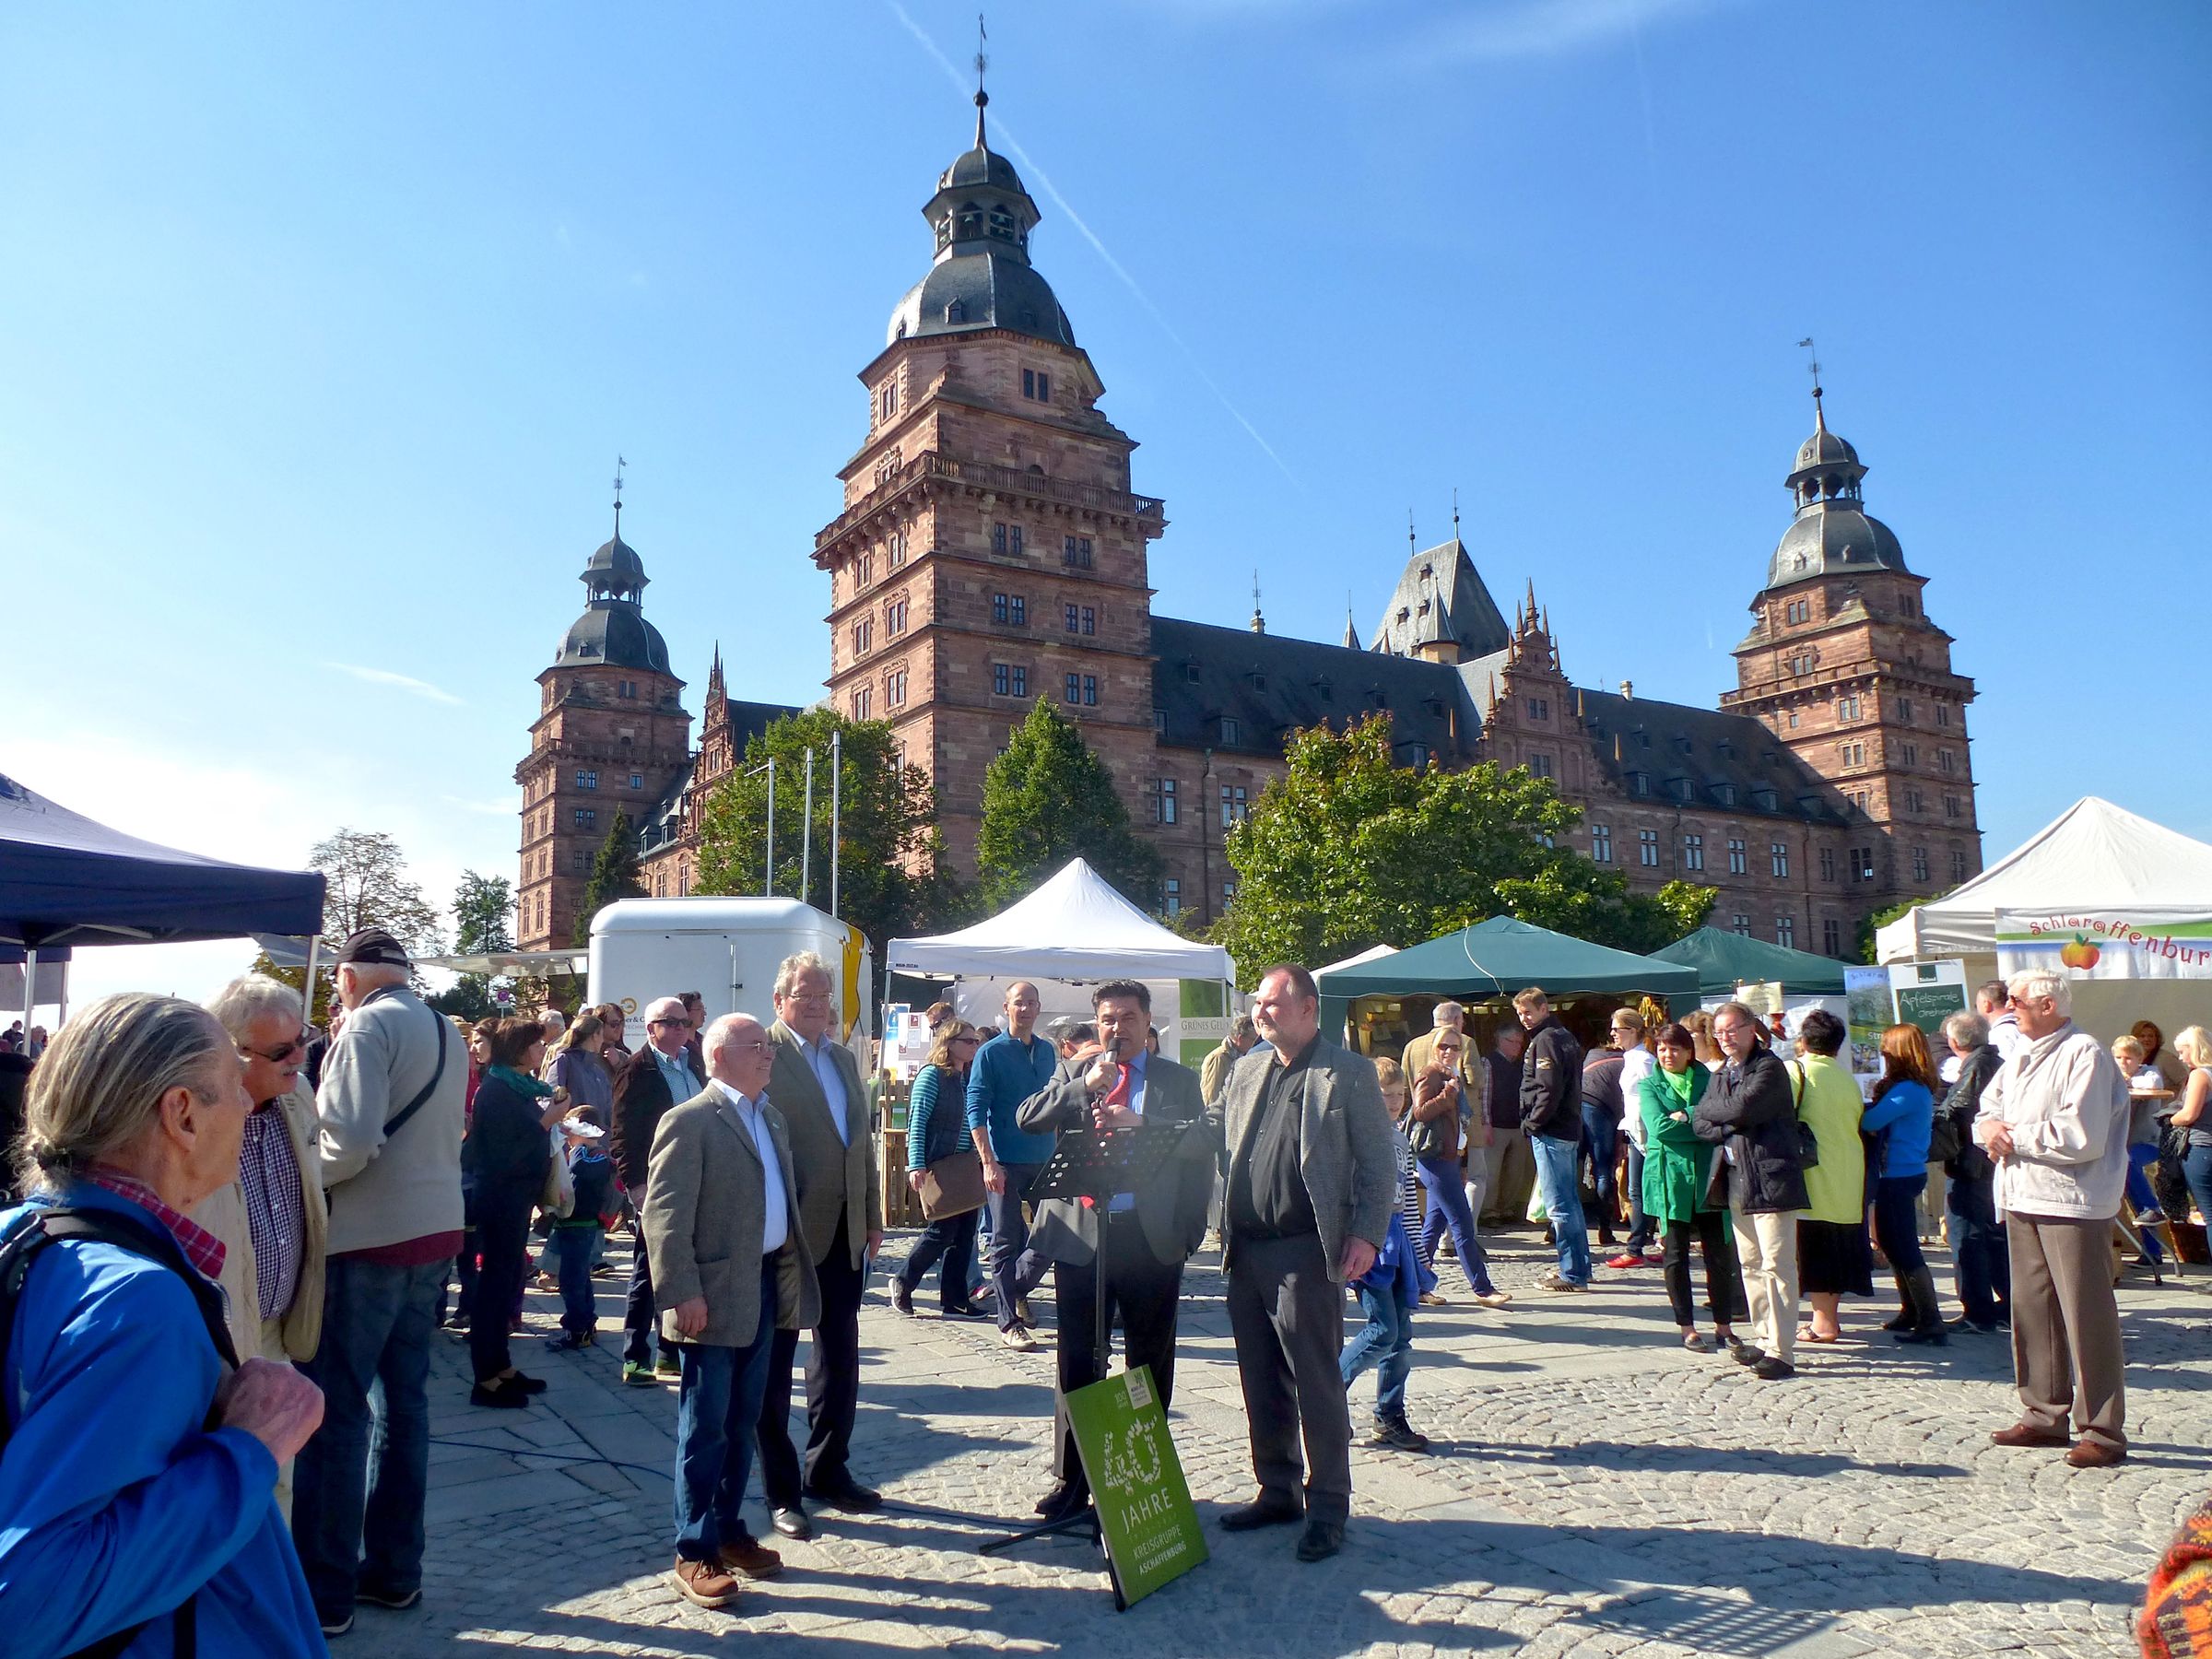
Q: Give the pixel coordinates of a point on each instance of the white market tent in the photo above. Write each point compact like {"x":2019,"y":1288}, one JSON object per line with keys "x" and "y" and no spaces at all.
{"x":1372,"y":953}
{"x":1074,"y":927}
{"x":2094,"y":856}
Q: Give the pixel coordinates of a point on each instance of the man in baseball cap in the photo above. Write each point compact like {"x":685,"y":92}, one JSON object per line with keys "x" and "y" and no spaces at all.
{"x":373,"y":948}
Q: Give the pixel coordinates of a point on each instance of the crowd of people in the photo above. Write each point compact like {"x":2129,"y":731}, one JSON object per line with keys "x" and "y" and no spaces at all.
{"x":252,"y":1231}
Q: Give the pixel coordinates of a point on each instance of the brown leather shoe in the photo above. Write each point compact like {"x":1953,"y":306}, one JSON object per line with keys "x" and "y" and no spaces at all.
{"x":2028,"y":1434}
{"x":2095,"y":1455}
{"x":752,"y":1557}
{"x":703,"y":1584}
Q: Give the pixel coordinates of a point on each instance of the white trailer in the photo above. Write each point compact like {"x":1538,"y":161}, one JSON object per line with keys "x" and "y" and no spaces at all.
{"x":726,"y":949}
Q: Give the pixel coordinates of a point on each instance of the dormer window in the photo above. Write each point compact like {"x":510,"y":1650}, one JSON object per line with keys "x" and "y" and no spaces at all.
{"x":955,"y":311}
{"x":1190,"y":671}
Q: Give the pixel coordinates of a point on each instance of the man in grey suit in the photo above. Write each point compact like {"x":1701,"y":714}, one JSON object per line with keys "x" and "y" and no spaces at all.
{"x":1313,"y":1174}
{"x":720,"y":1219}
{"x":1149,"y":1232}
{"x":817,"y":1087}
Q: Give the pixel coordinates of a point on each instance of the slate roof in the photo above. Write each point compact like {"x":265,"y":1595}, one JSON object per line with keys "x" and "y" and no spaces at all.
{"x":663,"y":822}
{"x":1703,"y":757}
{"x":613,"y":631}
{"x":1438,"y":597}
{"x":1830,"y":538}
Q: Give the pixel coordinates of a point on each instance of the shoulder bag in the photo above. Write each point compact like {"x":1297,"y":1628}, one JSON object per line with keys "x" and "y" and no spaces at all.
{"x":1808,"y":1144}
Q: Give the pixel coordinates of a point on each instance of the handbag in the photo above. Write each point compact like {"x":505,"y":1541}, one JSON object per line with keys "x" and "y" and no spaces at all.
{"x":952,"y":1185}
{"x":1808,"y":1144}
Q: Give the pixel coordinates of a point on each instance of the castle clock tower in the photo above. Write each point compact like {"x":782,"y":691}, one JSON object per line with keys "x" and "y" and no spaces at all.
{"x":990,"y":551}
{"x":1843,"y":665}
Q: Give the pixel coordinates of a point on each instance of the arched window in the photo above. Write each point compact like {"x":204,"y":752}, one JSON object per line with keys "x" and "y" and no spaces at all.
{"x":1002,"y":224}
{"x":972,"y":221}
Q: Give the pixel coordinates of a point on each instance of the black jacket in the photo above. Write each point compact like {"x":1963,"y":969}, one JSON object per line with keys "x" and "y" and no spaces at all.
{"x":1961,"y":1105}
{"x":1601,"y":1086}
{"x":1551,"y":1082}
{"x":640,"y":1098}
{"x":1752,"y":1113}
{"x":508,"y":1150}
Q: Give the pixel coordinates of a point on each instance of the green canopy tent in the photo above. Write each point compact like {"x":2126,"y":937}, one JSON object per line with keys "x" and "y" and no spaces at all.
{"x":1724,"y":961}
{"x":1499,"y":958}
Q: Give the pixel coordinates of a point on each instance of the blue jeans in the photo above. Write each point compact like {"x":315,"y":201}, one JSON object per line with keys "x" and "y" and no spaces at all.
{"x":2196,"y":1170}
{"x":359,"y":1485}
{"x":1601,"y":1140}
{"x":1386,"y":1342}
{"x":573,"y":1250}
{"x":2140,"y":1157}
{"x":1015,"y":1268}
{"x":1640,"y":1227}
{"x":1984,"y":1258}
{"x":1447,"y":1190}
{"x":1557,"y":1162}
{"x":717,"y":1407}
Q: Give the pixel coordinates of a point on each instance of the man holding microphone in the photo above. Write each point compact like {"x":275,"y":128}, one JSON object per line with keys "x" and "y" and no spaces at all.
{"x":1147,"y":1235}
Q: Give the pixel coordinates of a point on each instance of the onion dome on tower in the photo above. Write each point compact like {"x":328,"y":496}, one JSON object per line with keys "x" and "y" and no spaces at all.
{"x":981,"y":216}
{"x":1832,"y":533}
{"x":612,"y":629}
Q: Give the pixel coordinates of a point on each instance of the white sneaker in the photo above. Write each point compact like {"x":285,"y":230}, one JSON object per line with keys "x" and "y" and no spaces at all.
{"x":1017,"y":1336}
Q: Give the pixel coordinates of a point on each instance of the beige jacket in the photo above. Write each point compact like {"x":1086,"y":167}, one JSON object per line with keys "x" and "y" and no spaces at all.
{"x":2063,"y":1103}
{"x":836,"y":1178}
{"x":223,"y":1213}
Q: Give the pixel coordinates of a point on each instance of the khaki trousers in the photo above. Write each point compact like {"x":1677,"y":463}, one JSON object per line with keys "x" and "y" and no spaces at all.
{"x":1509,"y":1178}
{"x":271,"y":1348}
{"x":1766,"y":1248}
{"x":2065,"y":1325}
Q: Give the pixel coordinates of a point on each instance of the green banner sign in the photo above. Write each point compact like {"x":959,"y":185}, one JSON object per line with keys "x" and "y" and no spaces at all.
{"x":1144,"y":1504}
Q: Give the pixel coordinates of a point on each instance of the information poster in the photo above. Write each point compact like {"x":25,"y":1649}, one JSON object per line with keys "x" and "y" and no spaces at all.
{"x":1872,"y":1010}
{"x":1927,"y":994}
{"x":1144,"y":1503}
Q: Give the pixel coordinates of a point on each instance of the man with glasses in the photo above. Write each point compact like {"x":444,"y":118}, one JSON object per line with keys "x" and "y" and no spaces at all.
{"x":658,"y":1076}
{"x":1007,"y":1071}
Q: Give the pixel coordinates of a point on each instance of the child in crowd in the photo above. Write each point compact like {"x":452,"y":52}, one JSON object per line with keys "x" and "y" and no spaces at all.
{"x":577,"y":1236}
{"x":1389,"y":1292}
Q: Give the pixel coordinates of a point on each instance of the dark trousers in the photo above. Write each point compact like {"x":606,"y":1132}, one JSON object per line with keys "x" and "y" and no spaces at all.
{"x":1717,"y":1241}
{"x":1984,"y":1265}
{"x":503,"y":1242}
{"x":1897,"y":1221}
{"x":952,"y":1238}
{"x":1447,"y":1190}
{"x":1287,"y":1315}
{"x":1141,"y":1292}
{"x":717,"y":1407}
{"x":1015,"y":1268}
{"x":1601,"y":1145}
{"x":832,"y":1386}
{"x":1641,"y":1225}
{"x":637,"y":1308}
{"x":362,"y":1481}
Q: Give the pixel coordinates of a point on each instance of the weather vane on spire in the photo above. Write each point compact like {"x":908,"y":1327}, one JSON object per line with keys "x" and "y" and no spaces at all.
{"x":983,"y":62}
{"x":1413,"y":542}
{"x":619,"y":465}
{"x":1812,"y":368}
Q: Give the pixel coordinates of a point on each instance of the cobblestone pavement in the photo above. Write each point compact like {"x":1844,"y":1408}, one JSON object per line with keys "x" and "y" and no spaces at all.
{"x":1595,"y":1489}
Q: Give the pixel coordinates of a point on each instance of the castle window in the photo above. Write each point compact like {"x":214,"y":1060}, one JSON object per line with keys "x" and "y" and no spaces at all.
{"x":896,"y":544}
{"x":1827,"y":864}
{"x":1161,"y":791}
{"x":1647,"y":848}
{"x":1037,"y":385}
{"x":1171,"y":897}
{"x":887,"y":401}
{"x":894,"y":689}
{"x":1847,"y":708}
{"x":1950,"y":806}
{"x":1861,"y":860}
{"x":863,"y":635}
{"x":955,"y":311}
{"x":1943,"y":714}
{"x":1946,"y":761}
{"x":581,"y":862}
{"x":1785,"y":931}
{"x":1831,"y":936}
{"x":863,"y":700}
{"x":1539,"y":766}
{"x":1159,"y":720}
{"x":1725,"y":793}
{"x":1009,"y":679}
{"x":1071,"y":690}
{"x":1920,"y":863}
{"x":1743,"y":924}
{"x":1091,"y":690}
{"x":1229,"y":891}
{"x":637,"y":779}
{"x":972,"y":221}
{"x":1539,"y":708}
{"x":1007,"y":538}
{"x":894,"y":617}
{"x":863,"y":571}
{"x":587,"y":817}
{"x":587,"y":780}
{"x":1916,"y":800}
{"x":1601,"y":844}
{"x":627,"y":689}
{"x":1693,"y":852}
{"x":1852,"y":754}
{"x":1958,"y":865}
{"x":1778,"y":854}
{"x":1002,"y":608}
{"x":886,"y":467}
{"x":1640,"y":783}
{"x":1235,"y":809}
{"x":1793,"y":720}
{"x":1904,"y":710}
{"x":1075,"y":552}
{"x":1002,"y":224}
{"x":1738,"y":856}
{"x":1232,"y":730}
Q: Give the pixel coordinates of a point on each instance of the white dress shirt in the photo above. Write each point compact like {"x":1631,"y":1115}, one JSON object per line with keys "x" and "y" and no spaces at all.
{"x":776,"y":1215}
{"x":834,"y":1082}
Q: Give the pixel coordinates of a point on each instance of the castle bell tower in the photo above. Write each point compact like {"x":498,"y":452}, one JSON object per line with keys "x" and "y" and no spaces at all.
{"x":989,"y":551}
{"x":1844,"y":667}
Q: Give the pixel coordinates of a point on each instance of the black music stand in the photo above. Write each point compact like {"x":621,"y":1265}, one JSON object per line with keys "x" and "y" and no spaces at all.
{"x":1096,"y":1164}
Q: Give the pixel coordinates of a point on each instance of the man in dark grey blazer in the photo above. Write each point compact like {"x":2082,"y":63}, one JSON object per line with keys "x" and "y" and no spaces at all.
{"x":817,"y":1087}
{"x":721,"y":1218}
{"x":1149,"y":1232}
{"x":1313,"y":1174}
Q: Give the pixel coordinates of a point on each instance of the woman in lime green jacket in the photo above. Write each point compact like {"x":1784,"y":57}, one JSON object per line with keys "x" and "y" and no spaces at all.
{"x":1678,"y":1170}
{"x":1833,"y":1257}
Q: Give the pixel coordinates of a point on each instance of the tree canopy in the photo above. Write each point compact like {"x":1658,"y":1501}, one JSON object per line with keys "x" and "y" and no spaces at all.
{"x":613,"y":875}
{"x":890,"y":879}
{"x":1049,"y":798}
{"x":1350,"y":850}
{"x":482,"y":905}
{"x":365,"y":885}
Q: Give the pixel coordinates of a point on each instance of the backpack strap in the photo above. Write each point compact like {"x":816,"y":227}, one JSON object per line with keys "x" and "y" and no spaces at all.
{"x":149,"y":1239}
{"x":415,"y":1105}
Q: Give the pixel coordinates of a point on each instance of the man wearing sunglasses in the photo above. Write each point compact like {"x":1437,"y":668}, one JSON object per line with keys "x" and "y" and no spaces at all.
{"x":658,"y":1076}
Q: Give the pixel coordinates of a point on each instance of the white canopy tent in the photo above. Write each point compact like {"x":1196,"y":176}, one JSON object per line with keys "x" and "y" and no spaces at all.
{"x":2094,"y":856}
{"x":1372,"y":953}
{"x":1074,"y":927}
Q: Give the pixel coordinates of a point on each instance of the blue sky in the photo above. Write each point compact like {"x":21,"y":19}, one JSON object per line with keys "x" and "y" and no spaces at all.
{"x":323,"y":331}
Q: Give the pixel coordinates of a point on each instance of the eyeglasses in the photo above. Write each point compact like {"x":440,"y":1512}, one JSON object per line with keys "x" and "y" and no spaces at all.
{"x":970,"y":1040}
{"x":755,"y":1047}
{"x":680,"y":1024}
{"x":297,"y":1045}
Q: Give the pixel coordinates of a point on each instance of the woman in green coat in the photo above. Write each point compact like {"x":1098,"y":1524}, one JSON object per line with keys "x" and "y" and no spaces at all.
{"x":1678,"y":1168}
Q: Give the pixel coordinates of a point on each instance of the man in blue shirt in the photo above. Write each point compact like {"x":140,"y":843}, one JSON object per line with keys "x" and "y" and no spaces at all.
{"x":1008,"y":1069}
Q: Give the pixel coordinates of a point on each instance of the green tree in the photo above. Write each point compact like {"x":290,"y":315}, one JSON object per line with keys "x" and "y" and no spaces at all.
{"x":1350,"y":850}
{"x":1874,"y":921}
{"x":890,"y":861}
{"x":1049,"y":798}
{"x":365,"y":885}
{"x":614,"y":876}
{"x":482,"y":906}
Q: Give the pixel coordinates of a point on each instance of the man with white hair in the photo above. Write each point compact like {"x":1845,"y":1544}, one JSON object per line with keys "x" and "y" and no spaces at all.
{"x":722,"y":1213}
{"x":392,"y":1104}
{"x":2054,"y":1122}
{"x":817,"y":1087}
{"x":658,"y":1076}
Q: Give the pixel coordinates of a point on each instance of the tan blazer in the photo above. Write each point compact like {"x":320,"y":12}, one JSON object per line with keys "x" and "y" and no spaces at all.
{"x":706,"y":1204}
{"x":837,"y":1180}
{"x":223,"y":1213}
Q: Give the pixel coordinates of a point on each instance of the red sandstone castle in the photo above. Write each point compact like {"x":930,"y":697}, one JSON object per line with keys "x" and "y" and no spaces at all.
{"x":991,"y":551}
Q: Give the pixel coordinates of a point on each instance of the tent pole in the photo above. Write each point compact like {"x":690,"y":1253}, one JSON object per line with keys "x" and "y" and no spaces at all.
{"x":807,"y":837}
{"x":307,"y":982}
{"x":30,"y":991}
{"x":837,"y":740}
{"x":768,"y":876}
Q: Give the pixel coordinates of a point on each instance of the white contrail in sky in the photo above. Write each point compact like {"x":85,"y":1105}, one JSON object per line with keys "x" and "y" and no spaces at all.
{"x":1031,"y":170}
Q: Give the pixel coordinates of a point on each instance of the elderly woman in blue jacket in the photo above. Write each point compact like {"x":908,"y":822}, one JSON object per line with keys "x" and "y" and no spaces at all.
{"x":138,"y":1476}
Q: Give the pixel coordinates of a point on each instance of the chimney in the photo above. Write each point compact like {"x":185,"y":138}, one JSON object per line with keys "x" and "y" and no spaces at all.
{"x":1628,"y":690}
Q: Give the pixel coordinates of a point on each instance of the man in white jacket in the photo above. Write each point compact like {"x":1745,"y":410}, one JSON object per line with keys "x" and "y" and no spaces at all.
{"x":2054,"y":1122}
